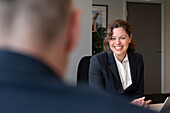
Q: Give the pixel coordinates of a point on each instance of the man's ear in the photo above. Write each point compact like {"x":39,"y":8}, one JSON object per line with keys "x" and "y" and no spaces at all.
{"x":73,"y":30}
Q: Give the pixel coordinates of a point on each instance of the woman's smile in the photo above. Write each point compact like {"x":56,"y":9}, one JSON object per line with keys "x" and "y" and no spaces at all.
{"x":118,"y":48}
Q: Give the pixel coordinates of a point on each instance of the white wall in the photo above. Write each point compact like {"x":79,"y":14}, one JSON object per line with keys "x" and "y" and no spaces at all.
{"x":85,"y":42}
{"x":115,"y":8}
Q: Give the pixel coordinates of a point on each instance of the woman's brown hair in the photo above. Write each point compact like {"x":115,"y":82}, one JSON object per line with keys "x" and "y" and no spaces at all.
{"x":115,"y":24}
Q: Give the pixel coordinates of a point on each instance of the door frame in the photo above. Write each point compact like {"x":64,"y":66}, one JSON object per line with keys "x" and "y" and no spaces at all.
{"x":163,"y":51}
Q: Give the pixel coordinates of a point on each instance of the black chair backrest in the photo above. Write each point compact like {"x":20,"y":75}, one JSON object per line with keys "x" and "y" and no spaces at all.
{"x":83,"y":70}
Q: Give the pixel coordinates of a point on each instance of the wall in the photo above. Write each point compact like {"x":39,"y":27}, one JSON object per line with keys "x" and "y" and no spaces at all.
{"x":166,"y":79}
{"x":115,"y":8}
{"x":85,"y":45}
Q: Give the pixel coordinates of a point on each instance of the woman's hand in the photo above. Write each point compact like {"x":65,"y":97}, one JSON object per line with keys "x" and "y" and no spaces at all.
{"x":141,"y":102}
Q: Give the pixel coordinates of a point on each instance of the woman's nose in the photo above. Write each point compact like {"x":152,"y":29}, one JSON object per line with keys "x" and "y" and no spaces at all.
{"x":117,"y":41}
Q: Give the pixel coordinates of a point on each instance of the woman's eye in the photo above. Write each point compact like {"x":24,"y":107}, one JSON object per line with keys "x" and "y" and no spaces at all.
{"x":122,"y":37}
{"x":112,"y":38}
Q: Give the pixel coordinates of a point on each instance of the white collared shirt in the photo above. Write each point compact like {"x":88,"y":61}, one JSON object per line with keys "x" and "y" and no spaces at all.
{"x":124,"y":72}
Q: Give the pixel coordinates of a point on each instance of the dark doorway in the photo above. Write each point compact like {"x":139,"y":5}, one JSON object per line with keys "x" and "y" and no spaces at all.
{"x":145,"y":19}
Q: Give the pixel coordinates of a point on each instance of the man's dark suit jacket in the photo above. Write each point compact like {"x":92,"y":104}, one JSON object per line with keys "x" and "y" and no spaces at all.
{"x":29,"y":86}
{"x":104,"y":75}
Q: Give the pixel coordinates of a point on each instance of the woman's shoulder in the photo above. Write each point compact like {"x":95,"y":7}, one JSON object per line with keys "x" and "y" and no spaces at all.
{"x":135,"y":54}
{"x":100,"y":55}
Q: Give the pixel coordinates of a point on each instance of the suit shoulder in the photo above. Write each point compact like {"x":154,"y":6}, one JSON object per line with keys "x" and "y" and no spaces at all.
{"x":104,"y":101}
{"x":138,"y":55}
{"x":102,"y":55}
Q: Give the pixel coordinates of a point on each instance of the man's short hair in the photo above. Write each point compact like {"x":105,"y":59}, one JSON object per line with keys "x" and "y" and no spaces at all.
{"x":47,"y":17}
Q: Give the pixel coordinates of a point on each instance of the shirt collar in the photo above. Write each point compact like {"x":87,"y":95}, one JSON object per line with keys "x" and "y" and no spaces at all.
{"x":124,"y":60}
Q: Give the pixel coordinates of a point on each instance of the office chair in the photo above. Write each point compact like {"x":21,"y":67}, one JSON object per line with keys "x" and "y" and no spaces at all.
{"x":83,"y":71}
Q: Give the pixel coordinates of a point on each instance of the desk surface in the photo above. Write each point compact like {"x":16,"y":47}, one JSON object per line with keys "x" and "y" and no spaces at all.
{"x":155,"y":107}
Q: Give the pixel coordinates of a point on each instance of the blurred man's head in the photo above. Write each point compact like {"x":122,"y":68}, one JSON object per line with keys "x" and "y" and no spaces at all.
{"x":45,"y":29}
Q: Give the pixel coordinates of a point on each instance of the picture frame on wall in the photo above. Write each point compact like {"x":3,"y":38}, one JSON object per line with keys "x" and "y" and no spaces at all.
{"x":99,"y":27}
{"x":102,"y":11}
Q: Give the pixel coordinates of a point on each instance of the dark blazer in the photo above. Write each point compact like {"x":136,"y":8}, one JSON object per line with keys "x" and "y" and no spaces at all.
{"x":29,"y":86}
{"x":104,"y":75}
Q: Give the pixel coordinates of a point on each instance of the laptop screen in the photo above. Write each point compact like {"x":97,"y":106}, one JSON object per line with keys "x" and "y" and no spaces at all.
{"x":166,"y":105}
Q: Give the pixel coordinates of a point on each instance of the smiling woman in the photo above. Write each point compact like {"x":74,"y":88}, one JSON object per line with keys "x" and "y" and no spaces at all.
{"x":126,"y":27}
{"x":119,"y":43}
{"x":119,"y":70}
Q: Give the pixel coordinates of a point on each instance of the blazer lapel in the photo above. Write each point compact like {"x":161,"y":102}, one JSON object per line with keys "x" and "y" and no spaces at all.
{"x":132,"y":67}
{"x":113,"y":67}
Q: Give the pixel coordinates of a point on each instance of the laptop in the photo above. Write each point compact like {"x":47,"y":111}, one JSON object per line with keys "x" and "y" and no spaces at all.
{"x":165,"y":106}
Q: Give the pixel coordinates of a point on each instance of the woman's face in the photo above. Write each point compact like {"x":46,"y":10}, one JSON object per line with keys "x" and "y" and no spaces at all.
{"x":119,"y":42}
